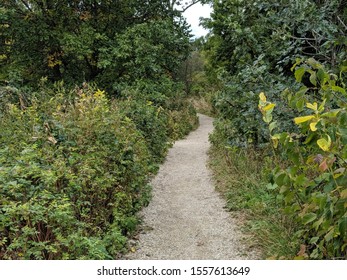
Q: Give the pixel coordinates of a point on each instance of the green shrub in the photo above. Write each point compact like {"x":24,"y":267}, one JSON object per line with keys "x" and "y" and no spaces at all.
{"x":311,"y":175}
{"x":73,"y":173}
{"x":152,"y":122}
{"x":74,"y":167}
{"x":182,"y":120}
{"x":160,"y":111}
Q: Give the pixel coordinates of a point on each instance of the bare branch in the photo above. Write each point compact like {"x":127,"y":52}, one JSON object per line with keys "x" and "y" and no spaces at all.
{"x":189,"y":5}
{"x":303,"y":38}
{"x":340,"y":20}
{"x":26,"y":5}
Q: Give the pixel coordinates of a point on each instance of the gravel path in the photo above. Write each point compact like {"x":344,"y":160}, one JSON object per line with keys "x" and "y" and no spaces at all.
{"x":186,"y":218}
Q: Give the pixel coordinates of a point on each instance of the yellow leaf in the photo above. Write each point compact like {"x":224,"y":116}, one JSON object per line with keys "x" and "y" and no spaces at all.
{"x":99,"y":93}
{"x":132,"y":249}
{"x":275,"y":139}
{"x":262,"y":97}
{"x":269,"y":107}
{"x":313,"y":126}
{"x":303,"y":119}
{"x":313,"y":106}
{"x":324,"y":144}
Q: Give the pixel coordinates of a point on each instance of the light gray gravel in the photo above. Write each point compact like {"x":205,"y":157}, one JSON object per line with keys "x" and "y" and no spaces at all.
{"x":186,"y":218}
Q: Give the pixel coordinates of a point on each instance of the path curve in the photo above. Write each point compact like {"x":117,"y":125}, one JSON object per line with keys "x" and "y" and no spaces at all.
{"x":186,"y":218}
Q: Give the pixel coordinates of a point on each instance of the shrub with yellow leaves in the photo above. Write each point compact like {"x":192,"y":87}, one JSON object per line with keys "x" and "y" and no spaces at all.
{"x":311,"y":177}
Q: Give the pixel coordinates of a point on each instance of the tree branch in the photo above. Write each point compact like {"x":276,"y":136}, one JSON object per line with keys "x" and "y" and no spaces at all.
{"x":26,"y":5}
{"x":189,"y":5}
{"x":340,"y":20}
{"x":303,"y":38}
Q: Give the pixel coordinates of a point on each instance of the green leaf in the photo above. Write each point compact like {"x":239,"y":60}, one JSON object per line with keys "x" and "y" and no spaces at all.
{"x":272,"y":126}
{"x":302,"y":91}
{"x":339,"y":89}
{"x":314,"y":63}
{"x":271,"y":186}
{"x":301,"y":180}
{"x":299,"y":73}
{"x":332,"y":113}
{"x":300,"y":104}
{"x":343,"y":194}
{"x":343,"y":226}
{"x":314,"y":240}
{"x":267,"y":117}
{"x":309,"y":218}
{"x":280,"y":178}
{"x":297,"y":62}
{"x":330,"y":234}
{"x":321,"y":106}
{"x":322,"y":76}
{"x":316,"y":224}
{"x":313,"y":78}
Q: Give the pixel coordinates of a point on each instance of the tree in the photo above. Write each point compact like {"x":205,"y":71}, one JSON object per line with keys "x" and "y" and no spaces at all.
{"x":253,"y":45}
{"x":68,"y":39}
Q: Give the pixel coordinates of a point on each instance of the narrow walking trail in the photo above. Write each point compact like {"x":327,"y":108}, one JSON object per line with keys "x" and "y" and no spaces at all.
{"x":186,"y":218}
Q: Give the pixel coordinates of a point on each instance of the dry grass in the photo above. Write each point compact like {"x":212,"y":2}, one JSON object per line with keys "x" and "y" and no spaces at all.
{"x":202,"y":105}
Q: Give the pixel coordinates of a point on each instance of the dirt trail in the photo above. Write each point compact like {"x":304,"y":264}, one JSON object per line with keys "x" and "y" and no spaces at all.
{"x":186,"y":218}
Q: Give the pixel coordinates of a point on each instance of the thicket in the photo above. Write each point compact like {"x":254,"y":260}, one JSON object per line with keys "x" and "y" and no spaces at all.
{"x":74,"y":171}
{"x":294,"y":52}
{"x":90,"y":104}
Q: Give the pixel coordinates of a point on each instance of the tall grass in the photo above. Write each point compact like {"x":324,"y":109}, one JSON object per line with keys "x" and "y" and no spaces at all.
{"x":241,"y":176}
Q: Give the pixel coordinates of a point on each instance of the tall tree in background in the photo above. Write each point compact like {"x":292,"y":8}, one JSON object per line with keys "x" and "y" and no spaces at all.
{"x":278,"y":30}
{"x":91,"y":40}
{"x":254,"y":44}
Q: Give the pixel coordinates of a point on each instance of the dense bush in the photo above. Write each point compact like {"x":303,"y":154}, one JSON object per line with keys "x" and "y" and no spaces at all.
{"x":74,"y":165}
{"x":160,"y":110}
{"x":152,"y":122}
{"x":311,"y":172}
{"x":74,"y":170}
{"x":253,"y":45}
{"x":72,"y":176}
{"x":251,"y":49}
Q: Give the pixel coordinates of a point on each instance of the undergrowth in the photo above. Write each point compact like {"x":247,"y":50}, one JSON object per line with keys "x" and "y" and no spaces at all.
{"x":75,"y":167}
{"x":241,"y":176}
{"x":203,"y":104}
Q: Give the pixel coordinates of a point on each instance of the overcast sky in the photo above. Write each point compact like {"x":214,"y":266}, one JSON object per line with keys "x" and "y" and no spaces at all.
{"x":193,"y":14}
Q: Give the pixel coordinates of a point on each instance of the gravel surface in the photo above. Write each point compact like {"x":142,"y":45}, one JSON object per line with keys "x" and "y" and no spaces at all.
{"x":186,"y":218}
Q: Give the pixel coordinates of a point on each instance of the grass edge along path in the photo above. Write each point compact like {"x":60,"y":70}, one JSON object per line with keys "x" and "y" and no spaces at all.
{"x":240,"y":176}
